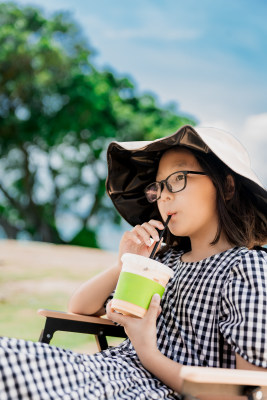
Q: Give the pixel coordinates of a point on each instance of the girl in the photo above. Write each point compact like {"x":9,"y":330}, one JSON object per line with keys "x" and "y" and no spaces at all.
{"x":213,"y":311}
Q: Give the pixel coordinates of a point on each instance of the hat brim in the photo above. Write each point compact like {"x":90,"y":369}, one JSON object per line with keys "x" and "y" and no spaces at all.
{"x":133,"y":165}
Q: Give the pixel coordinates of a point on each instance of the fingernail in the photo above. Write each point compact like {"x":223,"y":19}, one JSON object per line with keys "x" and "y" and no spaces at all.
{"x":138,"y":241}
{"x":156,"y":298}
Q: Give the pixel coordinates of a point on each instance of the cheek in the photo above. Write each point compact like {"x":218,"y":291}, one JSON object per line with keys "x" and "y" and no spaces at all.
{"x":199,"y":199}
{"x":206,"y":198}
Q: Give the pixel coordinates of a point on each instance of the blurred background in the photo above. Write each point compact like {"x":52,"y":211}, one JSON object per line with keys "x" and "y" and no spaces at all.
{"x":75,"y":75}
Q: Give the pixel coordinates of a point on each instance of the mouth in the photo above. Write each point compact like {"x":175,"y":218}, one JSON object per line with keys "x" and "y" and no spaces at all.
{"x":171,"y":213}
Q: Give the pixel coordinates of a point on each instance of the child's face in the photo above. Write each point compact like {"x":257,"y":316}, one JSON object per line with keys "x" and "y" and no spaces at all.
{"x":194,"y":208}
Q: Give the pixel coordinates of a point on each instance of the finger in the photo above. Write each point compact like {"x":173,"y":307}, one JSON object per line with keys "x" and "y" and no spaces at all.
{"x":143,"y":235}
{"x":132,"y":235}
{"x":151,"y":230}
{"x":114,"y":316}
{"x":154,"y":308}
{"x":109,"y":309}
{"x":148,"y":232}
{"x":159,"y":311}
{"x":157,"y":224}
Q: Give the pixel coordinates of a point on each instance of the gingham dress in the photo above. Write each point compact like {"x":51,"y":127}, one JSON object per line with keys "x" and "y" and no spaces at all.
{"x":221,"y":299}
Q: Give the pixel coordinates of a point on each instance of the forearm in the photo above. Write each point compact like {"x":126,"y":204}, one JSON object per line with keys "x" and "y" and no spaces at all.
{"x":145,"y":344}
{"x":168,"y":371}
{"x":89,"y":298}
{"x":165,"y":369}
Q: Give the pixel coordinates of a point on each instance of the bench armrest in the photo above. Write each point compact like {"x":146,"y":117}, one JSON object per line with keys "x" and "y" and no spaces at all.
{"x":70,"y":322}
{"x":199,"y":381}
{"x":74,"y":317}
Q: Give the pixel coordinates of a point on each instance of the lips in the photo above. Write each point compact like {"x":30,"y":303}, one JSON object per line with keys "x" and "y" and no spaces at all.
{"x":171,"y":213}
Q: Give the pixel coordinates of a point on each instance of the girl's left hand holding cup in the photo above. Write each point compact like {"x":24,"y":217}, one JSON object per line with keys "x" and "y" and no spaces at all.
{"x":141,"y":331}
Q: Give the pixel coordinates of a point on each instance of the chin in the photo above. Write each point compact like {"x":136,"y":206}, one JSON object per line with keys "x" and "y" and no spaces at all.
{"x":178,"y":233}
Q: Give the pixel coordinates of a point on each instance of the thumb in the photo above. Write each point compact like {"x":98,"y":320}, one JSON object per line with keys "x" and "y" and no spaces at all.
{"x":151,"y":247}
{"x":153,"y":310}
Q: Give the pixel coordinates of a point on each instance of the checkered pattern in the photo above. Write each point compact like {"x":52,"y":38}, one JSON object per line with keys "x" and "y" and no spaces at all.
{"x":37,"y":371}
{"x":223,"y":296}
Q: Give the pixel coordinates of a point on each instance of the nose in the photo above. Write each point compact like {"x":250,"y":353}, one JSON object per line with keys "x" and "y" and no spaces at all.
{"x":165,"y":193}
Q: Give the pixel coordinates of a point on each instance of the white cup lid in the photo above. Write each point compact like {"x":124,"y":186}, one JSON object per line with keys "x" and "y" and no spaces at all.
{"x":138,"y":260}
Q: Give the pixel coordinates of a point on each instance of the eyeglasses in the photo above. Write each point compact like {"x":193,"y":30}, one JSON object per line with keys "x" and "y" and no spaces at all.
{"x":174,"y":183}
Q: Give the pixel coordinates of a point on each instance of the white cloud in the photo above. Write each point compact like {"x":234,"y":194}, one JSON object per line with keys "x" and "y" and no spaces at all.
{"x":255,"y":127}
{"x":255,"y":139}
{"x":221,"y":124}
{"x":155,"y":28}
{"x":253,"y":135}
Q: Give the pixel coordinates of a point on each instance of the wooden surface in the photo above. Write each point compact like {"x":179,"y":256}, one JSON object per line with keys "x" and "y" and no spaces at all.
{"x":74,"y":317}
{"x":223,"y":375}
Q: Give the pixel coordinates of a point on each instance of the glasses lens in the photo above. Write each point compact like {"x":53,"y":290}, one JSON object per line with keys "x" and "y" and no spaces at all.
{"x":152,"y":192}
{"x":176,"y":182}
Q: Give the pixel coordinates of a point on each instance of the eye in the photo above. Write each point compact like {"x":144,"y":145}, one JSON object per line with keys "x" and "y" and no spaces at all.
{"x":175,"y":180}
{"x":179,"y":177}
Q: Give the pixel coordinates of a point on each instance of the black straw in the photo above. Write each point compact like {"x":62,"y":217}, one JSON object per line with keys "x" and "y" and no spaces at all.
{"x":160,"y":237}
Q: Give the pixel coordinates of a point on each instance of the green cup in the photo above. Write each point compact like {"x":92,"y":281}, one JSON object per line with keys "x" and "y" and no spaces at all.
{"x":139,"y":280}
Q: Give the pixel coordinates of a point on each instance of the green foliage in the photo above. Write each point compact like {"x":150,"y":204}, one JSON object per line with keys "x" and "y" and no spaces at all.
{"x":57,"y":115}
{"x":85,"y":237}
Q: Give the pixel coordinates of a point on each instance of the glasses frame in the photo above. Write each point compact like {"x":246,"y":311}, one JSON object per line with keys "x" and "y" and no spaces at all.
{"x":165,"y":182}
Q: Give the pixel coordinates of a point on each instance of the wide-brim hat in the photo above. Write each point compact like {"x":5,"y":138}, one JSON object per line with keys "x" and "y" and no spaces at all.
{"x":133,"y":165}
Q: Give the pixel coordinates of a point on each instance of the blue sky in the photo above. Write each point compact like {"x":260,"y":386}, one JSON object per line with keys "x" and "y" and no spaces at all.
{"x":208,"y":56}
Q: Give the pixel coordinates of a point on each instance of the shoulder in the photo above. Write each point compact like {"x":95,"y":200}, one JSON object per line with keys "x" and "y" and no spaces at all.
{"x":246,"y":283}
{"x":253,"y":259}
{"x":249,"y":265}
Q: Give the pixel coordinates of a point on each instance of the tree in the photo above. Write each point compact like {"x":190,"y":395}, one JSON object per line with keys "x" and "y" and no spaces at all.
{"x":57,"y":115}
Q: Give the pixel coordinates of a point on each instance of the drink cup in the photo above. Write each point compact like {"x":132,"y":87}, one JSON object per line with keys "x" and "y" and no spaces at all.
{"x":139,"y":280}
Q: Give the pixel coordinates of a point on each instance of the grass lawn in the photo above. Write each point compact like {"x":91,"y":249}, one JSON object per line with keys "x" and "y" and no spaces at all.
{"x":37,"y":275}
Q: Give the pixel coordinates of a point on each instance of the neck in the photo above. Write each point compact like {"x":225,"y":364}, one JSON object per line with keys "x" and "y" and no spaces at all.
{"x":201,"y":248}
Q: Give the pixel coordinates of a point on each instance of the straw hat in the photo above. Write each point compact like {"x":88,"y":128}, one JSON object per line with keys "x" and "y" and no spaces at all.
{"x":133,"y":165}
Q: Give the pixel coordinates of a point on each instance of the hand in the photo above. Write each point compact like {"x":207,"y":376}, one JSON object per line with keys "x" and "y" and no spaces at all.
{"x":141,"y":331}
{"x":143,"y":335}
{"x":138,"y":240}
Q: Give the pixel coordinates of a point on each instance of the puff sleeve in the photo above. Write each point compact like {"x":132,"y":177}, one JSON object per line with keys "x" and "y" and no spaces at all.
{"x":243,"y":313}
